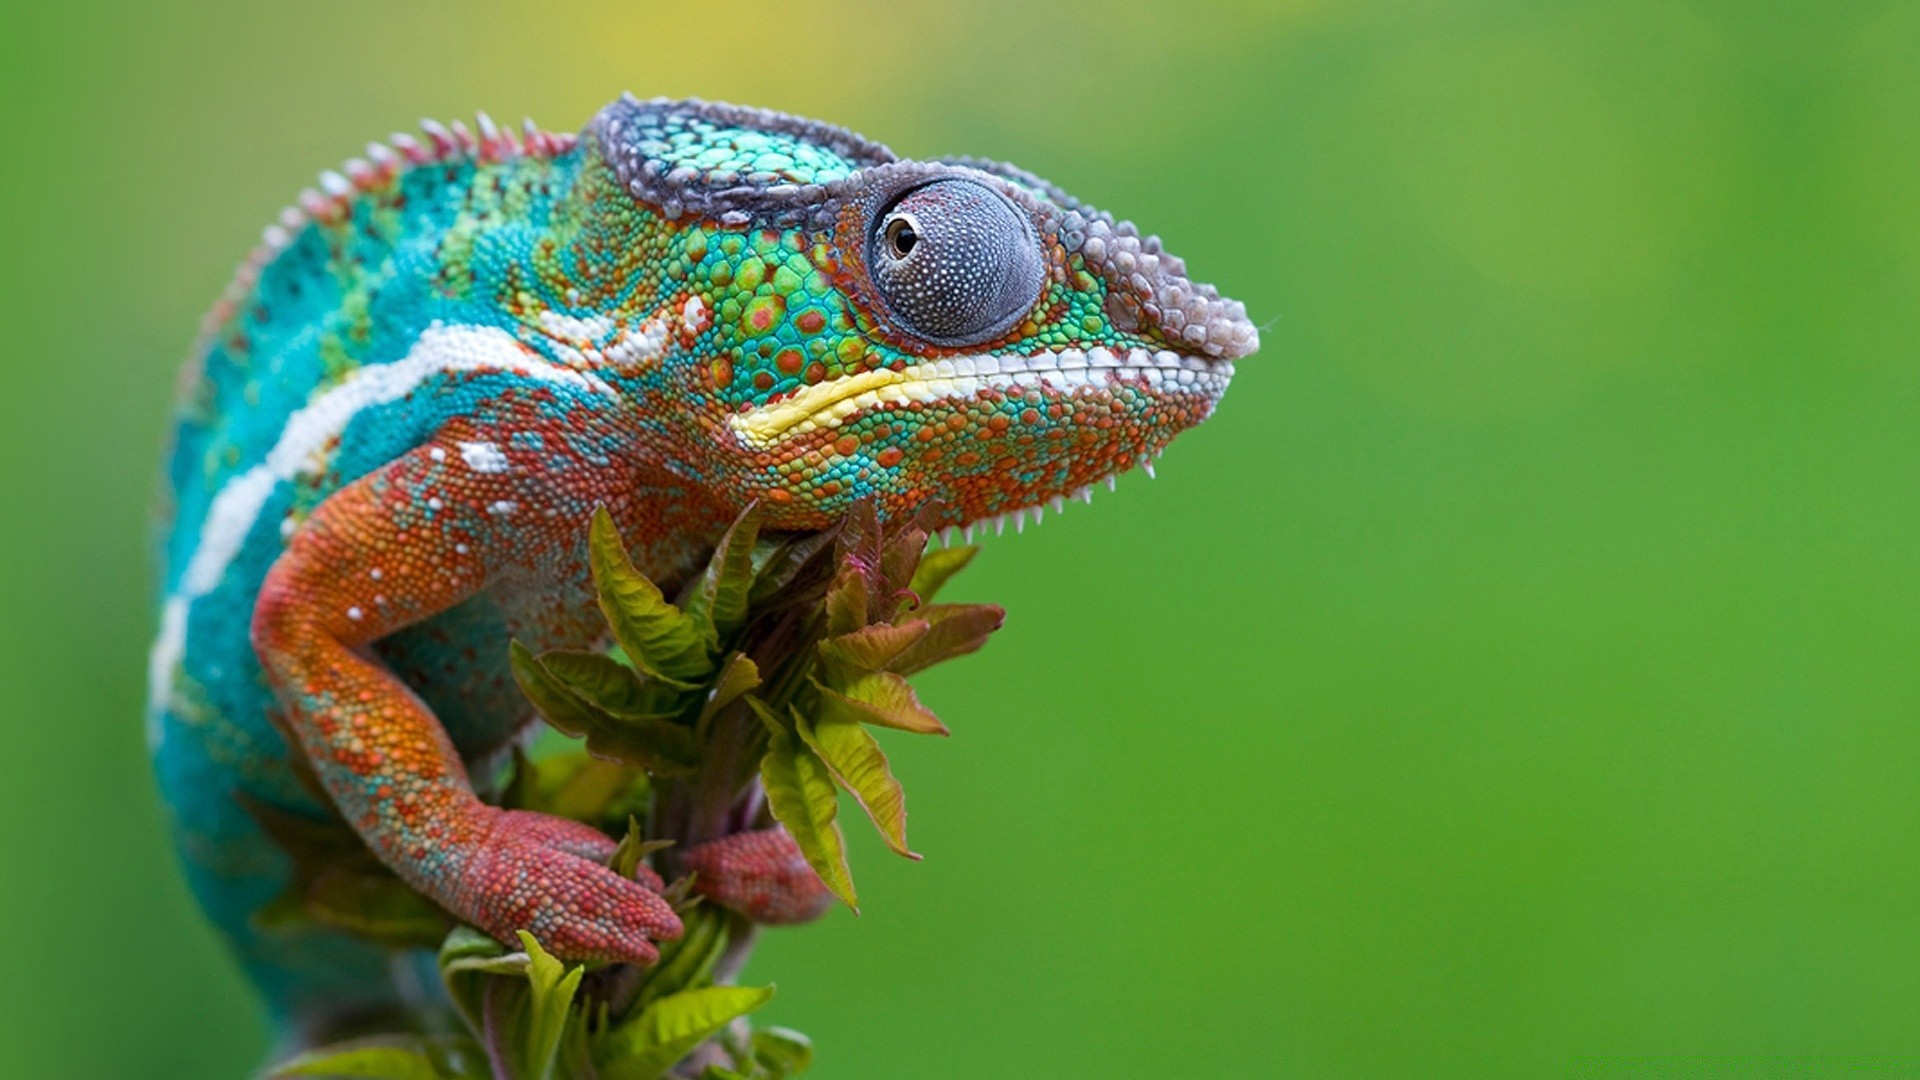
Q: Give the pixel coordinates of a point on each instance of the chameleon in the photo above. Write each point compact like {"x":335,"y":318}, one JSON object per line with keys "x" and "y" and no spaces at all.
{"x":401,"y":416}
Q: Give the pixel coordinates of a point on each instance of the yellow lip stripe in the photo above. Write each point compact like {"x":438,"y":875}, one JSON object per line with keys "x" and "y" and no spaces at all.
{"x":764,"y":426}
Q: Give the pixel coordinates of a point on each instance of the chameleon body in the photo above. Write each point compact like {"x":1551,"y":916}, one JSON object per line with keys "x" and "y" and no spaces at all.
{"x":403,"y":413}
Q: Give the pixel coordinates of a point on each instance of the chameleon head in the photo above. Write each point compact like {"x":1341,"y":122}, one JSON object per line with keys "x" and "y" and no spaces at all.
{"x":956,"y":337}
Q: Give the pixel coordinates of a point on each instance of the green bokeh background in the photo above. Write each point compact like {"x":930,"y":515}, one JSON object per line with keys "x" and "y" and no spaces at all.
{"x":1517,"y":676}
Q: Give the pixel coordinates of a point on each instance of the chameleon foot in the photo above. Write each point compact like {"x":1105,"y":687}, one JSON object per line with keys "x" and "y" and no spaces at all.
{"x":546,"y":875}
{"x":761,"y":875}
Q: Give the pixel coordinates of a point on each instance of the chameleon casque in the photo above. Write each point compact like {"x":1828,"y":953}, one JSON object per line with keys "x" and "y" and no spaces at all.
{"x":404,"y":411}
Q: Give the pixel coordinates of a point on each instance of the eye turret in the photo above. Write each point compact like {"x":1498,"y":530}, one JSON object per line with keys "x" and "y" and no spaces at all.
{"x":955,"y":262}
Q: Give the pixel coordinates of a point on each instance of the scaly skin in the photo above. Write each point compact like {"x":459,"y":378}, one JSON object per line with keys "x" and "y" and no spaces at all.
{"x":421,"y":385}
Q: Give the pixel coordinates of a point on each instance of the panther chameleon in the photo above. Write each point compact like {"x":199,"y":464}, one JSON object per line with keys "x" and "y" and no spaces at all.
{"x":402,"y":414}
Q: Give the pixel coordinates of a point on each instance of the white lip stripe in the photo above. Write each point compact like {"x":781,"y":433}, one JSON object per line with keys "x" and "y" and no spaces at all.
{"x":439,"y":350}
{"x":828,"y":404}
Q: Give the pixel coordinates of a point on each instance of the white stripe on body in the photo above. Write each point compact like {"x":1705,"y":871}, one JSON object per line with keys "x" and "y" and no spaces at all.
{"x":439,"y":350}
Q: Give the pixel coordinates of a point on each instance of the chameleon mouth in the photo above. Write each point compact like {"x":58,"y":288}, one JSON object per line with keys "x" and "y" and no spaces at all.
{"x":825,"y":406}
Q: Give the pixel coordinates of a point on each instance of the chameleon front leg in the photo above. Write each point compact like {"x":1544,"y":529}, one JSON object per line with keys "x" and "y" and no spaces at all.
{"x":401,"y":544}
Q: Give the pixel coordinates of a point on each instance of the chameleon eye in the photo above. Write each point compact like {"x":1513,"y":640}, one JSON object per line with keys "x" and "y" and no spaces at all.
{"x":902,"y":234}
{"x":955,"y":262}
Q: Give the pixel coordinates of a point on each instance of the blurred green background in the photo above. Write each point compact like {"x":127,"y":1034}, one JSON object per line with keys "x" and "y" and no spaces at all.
{"x":1516,"y":677}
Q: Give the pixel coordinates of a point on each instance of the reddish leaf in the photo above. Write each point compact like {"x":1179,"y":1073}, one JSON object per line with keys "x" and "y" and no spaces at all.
{"x":952,"y":630}
{"x":847,"y":602}
{"x":873,"y":648}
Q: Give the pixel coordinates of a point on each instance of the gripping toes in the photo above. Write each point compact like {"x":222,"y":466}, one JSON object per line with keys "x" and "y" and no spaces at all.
{"x":545,"y":875}
{"x":762,"y":875}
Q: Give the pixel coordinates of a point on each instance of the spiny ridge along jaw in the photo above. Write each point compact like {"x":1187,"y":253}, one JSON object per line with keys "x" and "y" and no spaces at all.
{"x":1019,"y":517}
{"x":827,"y":404}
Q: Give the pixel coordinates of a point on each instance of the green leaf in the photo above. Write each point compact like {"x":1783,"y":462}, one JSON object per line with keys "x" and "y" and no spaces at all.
{"x":553,"y":985}
{"x":659,"y":638}
{"x":522,"y":790}
{"x":856,"y":761}
{"x":738,"y":675}
{"x":679,"y":895}
{"x":719,"y":603}
{"x":687,"y":962}
{"x":801,"y":794}
{"x":936,"y":567}
{"x":475,"y":951}
{"x":379,"y":907}
{"x":392,"y":1057}
{"x":579,"y":786}
{"x":882,"y":698}
{"x":552,"y":695}
{"x":659,"y":746}
{"x":469,"y":959}
{"x":602,"y":681}
{"x":633,"y":850}
{"x":952,"y":630}
{"x":339,"y":884}
{"x":782,"y":1052}
{"x":669,"y":1029}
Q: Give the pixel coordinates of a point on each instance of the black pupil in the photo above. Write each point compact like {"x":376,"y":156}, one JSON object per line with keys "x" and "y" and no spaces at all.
{"x":901,"y":235}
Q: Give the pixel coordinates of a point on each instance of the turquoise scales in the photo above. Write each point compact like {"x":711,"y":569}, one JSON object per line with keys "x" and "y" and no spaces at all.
{"x":421,"y":384}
